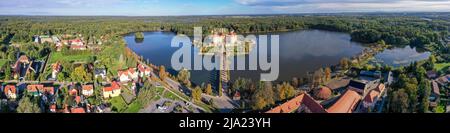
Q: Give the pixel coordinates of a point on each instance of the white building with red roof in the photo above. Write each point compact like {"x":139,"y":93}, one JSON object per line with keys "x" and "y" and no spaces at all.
{"x":10,"y":91}
{"x":111,"y":91}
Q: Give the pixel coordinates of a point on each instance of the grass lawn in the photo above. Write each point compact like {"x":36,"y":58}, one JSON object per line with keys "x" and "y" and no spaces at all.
{"x":440,"y":66}
{"x":133,"y":108}
{"x":59,"y":56}
{"x":118,"y":103}
{"x":170,"y":95}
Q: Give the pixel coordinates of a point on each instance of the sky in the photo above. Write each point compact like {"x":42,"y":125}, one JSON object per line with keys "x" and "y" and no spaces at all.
{"x":212,"y":7}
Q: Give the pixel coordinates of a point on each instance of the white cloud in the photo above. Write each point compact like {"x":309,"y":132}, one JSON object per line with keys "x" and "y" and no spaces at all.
{"x":305,"y":6}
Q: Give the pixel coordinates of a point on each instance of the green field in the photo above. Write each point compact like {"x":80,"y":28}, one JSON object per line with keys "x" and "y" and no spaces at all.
{"x":133,"y":108}
{"x":118,"y":103}
{"x":440,"y":66}
{"x":59,"y":56}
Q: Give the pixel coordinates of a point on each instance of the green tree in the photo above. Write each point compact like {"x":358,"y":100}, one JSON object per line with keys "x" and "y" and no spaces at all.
{"x":7,"y":72}
{"x":80,"y":75}
{"x":27,"y":106}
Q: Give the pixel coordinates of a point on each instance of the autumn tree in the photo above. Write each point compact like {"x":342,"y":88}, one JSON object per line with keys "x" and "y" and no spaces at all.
{"x":327,"y":74}
{"x":208,"y":89}
{"x":162,"y":72}
{"x":184,"y":77}
{"x":284,"y":91}
{"x":197,"y":94}
{"x":344,"y":62}
{"x":263,"y":96}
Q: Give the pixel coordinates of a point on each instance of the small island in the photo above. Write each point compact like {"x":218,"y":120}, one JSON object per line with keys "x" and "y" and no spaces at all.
{"x":139,"y":35}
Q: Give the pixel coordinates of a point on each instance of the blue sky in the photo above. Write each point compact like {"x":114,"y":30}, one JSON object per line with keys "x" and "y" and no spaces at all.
{"x":212,"y":7}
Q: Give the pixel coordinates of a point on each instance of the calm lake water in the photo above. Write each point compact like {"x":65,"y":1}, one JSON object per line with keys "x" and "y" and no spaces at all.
{"x":400,"y":56}
{"x":300,"y":52}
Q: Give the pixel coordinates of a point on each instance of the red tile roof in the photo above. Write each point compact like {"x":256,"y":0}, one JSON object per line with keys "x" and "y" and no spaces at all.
{"x":346,"y":103}
{"x":370,"y":97}
{"x":49,"y":90}
{"x":114,"y":86}
{"x":87,"y":87}
{"x":78,"y":99}
{"x":295,"y":103}
{"x":35,"y":88}
{"x":73,"y":92}
{"x":11,"y":88}
{"x":77,"y":110}
{"x":323,"y":93}
{"x":142,"y":68}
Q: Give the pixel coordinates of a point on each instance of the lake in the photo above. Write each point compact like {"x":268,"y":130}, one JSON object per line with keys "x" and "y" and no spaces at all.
{"x":400,"y":56}
{"x":301,"y":52}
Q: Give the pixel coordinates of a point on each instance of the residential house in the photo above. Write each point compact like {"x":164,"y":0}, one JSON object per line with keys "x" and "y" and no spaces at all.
{"x":35,"y":90}
{"x":111,"y":91}
{"x":56,"y":68}
{"x":46,"y":38}
{"x":52,"y":108}
{"x":128,"y":75}
{"x":444,"y":80}
{"x":100,"y":72}
{"x":87,"y":90}
{"x":143,"y":70}
{"x":73,"y":91}
{"x":10,"y":91}
{"x":48,"y":90}
{"x":237,"y":96}
{"x":76,"y":42}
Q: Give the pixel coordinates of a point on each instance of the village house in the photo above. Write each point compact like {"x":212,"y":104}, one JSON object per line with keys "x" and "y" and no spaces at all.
{"x":237,"y":96}
{"x":76,"y":42}
{"x":56,"y":68}
{"x":45,"y":38}
{"x":52,"y":108}
{"x":73,"y":91}
{"x":111,"y":91}
{"x":444,"y":81}
{"x":10,"y":91}
{"x":100,"y":72}
{"x":128,"y":75}
{"x":87,"y":90}
{"x":48,"y":90}
{"x":143,"y":70}
{"x":35,"y":90}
